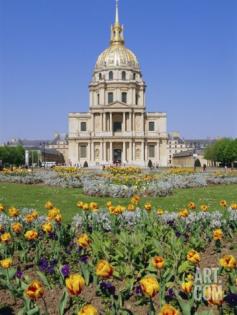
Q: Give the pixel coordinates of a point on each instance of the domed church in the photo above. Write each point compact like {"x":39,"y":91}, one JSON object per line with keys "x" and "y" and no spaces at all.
{"x":117,"y":128}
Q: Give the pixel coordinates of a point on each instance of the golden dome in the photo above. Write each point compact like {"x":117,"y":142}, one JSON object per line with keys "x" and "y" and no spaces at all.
{"x":117,"y":55}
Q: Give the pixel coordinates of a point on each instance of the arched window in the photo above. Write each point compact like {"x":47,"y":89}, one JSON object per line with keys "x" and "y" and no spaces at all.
{"x":100,"y":76}
{"x":111,"y":75}
{"x":124,"y":75}
{"x":134,"y":76}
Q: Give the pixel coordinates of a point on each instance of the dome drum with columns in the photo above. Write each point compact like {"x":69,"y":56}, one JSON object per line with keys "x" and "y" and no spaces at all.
{"x":117,"y":127}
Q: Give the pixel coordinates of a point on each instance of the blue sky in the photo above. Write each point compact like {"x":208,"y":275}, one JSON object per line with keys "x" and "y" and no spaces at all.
{"x":187,"y":50}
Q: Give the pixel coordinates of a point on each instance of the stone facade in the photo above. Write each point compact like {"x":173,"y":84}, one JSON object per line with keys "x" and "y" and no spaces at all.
{"x":117,"y":126}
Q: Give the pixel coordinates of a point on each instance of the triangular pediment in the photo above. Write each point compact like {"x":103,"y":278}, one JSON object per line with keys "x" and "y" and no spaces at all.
{"x":117,"y":105}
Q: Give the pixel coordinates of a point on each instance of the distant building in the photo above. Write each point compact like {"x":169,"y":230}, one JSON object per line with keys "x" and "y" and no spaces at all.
{"x":187,"y":158}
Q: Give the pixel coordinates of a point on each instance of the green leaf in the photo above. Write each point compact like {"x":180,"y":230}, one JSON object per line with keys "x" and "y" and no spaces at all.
{"x":63,"y":303}
{"x":43,"y":279}
{"x":184,"y":267}
{"x":34,"y":311}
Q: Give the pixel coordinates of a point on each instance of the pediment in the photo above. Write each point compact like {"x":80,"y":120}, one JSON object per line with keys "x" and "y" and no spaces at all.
{"x":117,"y":105}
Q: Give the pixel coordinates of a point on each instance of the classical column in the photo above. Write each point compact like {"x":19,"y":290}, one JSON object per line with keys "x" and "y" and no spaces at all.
{"x":89,"y":150}
{"x":124,"y":151}
{"x":157,"y":152}
{"x":130,"y":151}
{"x":143,"y":151}
{"x":111,"y":152}
{"x":146,"y":151}
{"x":104,"y":123}
{"x":133,"y":151}
{"x":101,"y":151}
{"x":101,"y":122}
{"x":93,"y":123}
{"x":110,"y":122}
{"x":92,"y":152}
{"x":123,"y":124}
{"x":130,"y":120}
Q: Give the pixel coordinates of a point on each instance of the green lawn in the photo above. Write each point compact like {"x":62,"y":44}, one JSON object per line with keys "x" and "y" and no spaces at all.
{"x":35,"y":196}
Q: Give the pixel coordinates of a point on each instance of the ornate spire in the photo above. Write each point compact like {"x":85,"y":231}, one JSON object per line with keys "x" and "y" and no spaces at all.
{"x":117,"y":13}
{"x":117,"y":29}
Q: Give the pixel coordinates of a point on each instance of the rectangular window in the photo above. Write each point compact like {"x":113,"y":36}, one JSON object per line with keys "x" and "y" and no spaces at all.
{"x":83,"y":151}
{"x":151,"y":126}
{"x":98,"y":99}
{"x":124,"y":97}
{"x":110,"y":97}
{"x":151,"y":151}
{"x":83,"y":126}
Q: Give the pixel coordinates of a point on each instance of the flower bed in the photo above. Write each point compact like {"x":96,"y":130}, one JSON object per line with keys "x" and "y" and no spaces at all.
{"x":118,"y":260}
{"x":120,"y":182}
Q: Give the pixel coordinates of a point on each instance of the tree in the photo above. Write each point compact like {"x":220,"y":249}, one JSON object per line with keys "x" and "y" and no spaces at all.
{"x":223,"y":151}
{"x":85,"y":164}
{"x":197,"y":163}
{"x":12,"y":155}
{"x":150,"y":165}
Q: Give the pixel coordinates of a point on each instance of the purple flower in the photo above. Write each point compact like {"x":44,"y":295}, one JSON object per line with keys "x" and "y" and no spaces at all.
{"x":231,"y":299}
{"x":138,"y":290}
{"x":19,"y":274}
{"x":65,"y":270}
{"x":84,"y":259}
{"x":170,"y":294}
{"x":178,"y":234}
{"x":43,"y":264}
{"x":107,"y":288}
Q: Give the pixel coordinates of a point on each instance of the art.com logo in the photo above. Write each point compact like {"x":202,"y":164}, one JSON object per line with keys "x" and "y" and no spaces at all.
{"x":207,"y":286}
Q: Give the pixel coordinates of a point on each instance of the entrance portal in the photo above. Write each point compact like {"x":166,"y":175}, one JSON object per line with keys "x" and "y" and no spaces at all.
{"x":117,"y":155}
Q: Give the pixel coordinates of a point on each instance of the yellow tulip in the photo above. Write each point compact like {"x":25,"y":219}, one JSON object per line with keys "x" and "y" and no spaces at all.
{"x":49,"y":205}
{"x":158,"y":262}
{"x":13,"y":212}
{"x":34,"y":214}
{"x":80,"y":204}
{"x":52,"y":213}
{"x":204,"y":208}
{"x":29,"y":218}
{"x":160,"y":211}
{"x":88,"y":310}
{"x":191,"y":205}
{"x":149,"y":286}
{"x":104,"y":269}
{"x":148,"y":206}
{"x":168,"y":309}
{"x":83,"y":240}
{"x":183,"y":213}
{"x":228,"y":262}
{"x":6,"y":237}
{"x":47,"y":227}
{"x":1,"y":207}
{"x":223,"y":203}
{"x":31,"y":235}
{"x":74,"y":284}
{"x":94,"y":206}
{"x":187,"y":286}
{"x":85,"y":206}
{"x":217,"y":234}
{"x":35,"y":290}
{"x":17,"y":227}
{"x":193,"y":256}
{"x":6,"y":263}
{"x":234,"y":206}
{"x":131,"y":207}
